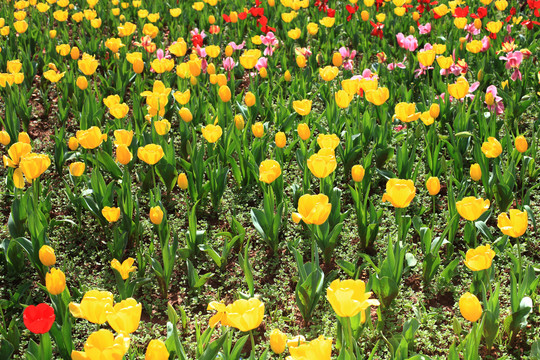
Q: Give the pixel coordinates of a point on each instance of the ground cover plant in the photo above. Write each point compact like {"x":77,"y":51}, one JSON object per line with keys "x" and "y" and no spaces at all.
{"x":299,"y":179}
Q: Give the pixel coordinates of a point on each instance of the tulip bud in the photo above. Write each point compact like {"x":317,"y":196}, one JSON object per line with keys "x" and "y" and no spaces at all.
{"x":239,"y":122}
{"x":73,"y":143}
{"x":212,"y":19}
{"x":434,"y":110}
{"x":301,"y":61}
{"x":490,"y":100}
{"x":5,"y":139}
{"x":480,"y":75}
{"x":281,"y":140}
{"x":303,"y":131}
{"x":478,"y":24}
{"x":337,"y":59}
{"x":358,"y":173}
{"x":75,"y":53}
{"x":156,"y":215}
{"x":229,"y":51}
{"x":476,"y":172}
{"x":55,"y":281}
{"x":77,"y":168}
{"x":250,"y":99}
{"x":271,"y":3}
{"x":82,"y":83}
{"x":415,"y":16}
{"x":258,"y":129}
{"x":263,"y":72}
{"x":46,"y":255}
{"x":138,"y":66}
{"x":182,"y":181}
{"x":521,"y":144}
{"x":193,"y":81}
{"x":364,"y":15}
{"x":278,"y":341}
{"x":469,"y":307}
{"x":185,"y":114}
{"x":433,"y":185}
{"x":287,"y":75}
{"x":156,"y":351}
{"x":52,"y":34}
{"x":211,"y":69}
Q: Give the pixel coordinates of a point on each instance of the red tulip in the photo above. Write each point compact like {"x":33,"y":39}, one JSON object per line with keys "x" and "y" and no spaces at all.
{"x":39,"y":319}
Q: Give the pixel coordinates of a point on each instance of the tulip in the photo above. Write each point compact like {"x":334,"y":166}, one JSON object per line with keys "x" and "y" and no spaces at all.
{"x":475,"y":172}
{"x":150,"y":153}
{"x":16,"y":152}
{"x":471,"y":208}
{"x":480,"y":258}
{"x":399,"y":192}
{"x":33,"y":165}
{"x":269,"y":170}
{"x":245,"y":315}
{"x":459,"y":89}
{"x":406,"y":112}
{"x":23,"y":137}
{"x":263,"y":72}
{"x":185,"y":114}
{"x":77,"y":168}
{"x":433,"y":185}
{"x":328,"y":73}
{"x":492,"y":148}
{"x":88,"y":64}
{"x":39,"y":319}
{"x":378,"y":96}
{"x":337,"y":59}
{"x":280,"y":140}
{"x":73,"y":143}
{"x":302,"y":107}
{"x":182,"y":181}
{"x":156,"y":349}
{"x":212,"y":133}
{"x":313,"y":209}
{"x":125,"y":316}
{"x":55,"y":281}
{"x":103,"y":345}
{"x":426,"y":57}
{"x":119,"y":110}
{"x":434,"y":110}
{"x":287,"y":76}
{"x":515,"y":225}
{"x":138,"y":66}
{"x":357,"y":173}
{"x":296,"y":341}
{"x":162,"y":126}
{"x":320,"y":349}
{"x":349,"y":297}
{"x":521,"y":144}
{"x":327,"y":21}
{"x":301,"y":61}
{"x":250,"y":99}
{"x":125,"y":268}
{"x":239,"y":122}
{"x":123,"y":155}
{"x":250,"y":58}
{"x":303,"y":131}
{"x":258,"y":129}
{"x":82,"y":83}
{"x":111,"y":214}
{"x":224,"y":93}
{"x":46,"y":255}
{"x":156,"y":215}
{"x":322,"y":163}
{"x":182,"y":97}
{"x":91,"y":138}
{"x":5,"y":139}
{"x":20,"y":26}
{"x":74,"y":53}
{"x":343,"y":99}
{"x":278,"y":341}
{"x":312,"y":29}
{"x":94,"y":307}
{"x":470,"y":307}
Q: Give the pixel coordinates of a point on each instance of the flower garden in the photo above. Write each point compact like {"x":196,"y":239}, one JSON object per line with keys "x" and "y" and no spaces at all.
{"x":269,"y":179}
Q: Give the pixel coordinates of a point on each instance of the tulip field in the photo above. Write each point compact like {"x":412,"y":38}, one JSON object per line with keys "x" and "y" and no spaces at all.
{"x":269,"y":179}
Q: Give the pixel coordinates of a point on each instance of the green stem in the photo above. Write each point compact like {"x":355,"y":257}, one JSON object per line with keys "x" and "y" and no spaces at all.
{"x":252,"y":341}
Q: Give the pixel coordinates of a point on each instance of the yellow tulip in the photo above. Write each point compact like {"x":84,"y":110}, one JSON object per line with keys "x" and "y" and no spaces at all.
{"x":302,"y":107}
{"x":469,"y":307}
{"x":406,"y":112}
{"x":426,"y":57}
{"x":119,"y":111}
{"x":323,"y":163}
{"x":73,"y":143}
{"x":459,"y":89}
{"x":521,"y":144}
{"x":150,"y":153}
{"x":320,"y":349}
{"x":258,"y":129}
{"x":88,"y":64}
{"x":123,"y":137}
{"x":357,"y":173}
{"x":91,"y":138}
{"x":313,"y":209}
{"x":94,"y":307}
{"x":399,"y":192}
{"x":269,"y":170}
{"x":224,"y":93}
{"x":55,"y":281}
{"x":182,"y":181}
{"x":328,"y":141}
{"x":278,"y":341}
{"x":303,"y":131}
{"x":124,"y":268}
{"x":480,"y":258}
{"x":156,"y":215}
{"x":433,"y":185}
{"x":82,"y":83}
{"x":349,"y":297}
{"x":475,"y":172}
{"x":492,"y":148}
{"x":471,"y":208}
{"x":515,"y":225}
{"x":5,"y":139}
{"x":249,"y":58}
{"x":475,"y":46}
{"x":14,"y":66}
{"x":156,"y":349}
{"x":20,"y":26}
{"x":301,"y":61}
{"x":328,"y":73}
{"x":125,"y":316}
{"x":77,"y":168}
{"x":33,"y":165}
{"x":378,"y":96}
{"x":47,"y":256}
{"x":245,"y":315}
{"x":294,"y":33}
{"x":111,"y":214}
{"x":182,"y":97}
{"x":16,"y":152}
{"x":328,"y":21}
{"x":239,"y":122}
{"x":312,"y":28}
{"x":280,"y":140}
{"x":250,"y":99}
{"x":103,"y":345}
{"x":212,"y":133}
{"x":343,"y":99}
